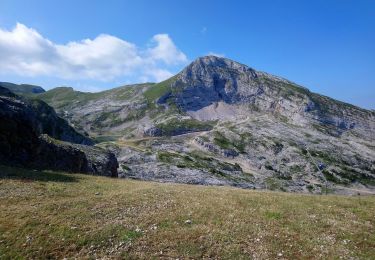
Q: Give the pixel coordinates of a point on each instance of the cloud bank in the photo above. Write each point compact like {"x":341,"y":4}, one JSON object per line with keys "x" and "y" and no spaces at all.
{"x":26,"y":52}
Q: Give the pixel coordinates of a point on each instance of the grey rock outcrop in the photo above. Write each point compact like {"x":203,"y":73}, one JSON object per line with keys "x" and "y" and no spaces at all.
{"x":64,"y":156}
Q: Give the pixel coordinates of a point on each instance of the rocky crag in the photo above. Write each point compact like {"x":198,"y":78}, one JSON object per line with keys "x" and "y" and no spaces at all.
{"x":32,"y":135}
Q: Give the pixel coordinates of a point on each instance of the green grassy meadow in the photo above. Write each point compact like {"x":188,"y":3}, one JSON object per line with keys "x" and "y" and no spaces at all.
{"x":46,"y":214}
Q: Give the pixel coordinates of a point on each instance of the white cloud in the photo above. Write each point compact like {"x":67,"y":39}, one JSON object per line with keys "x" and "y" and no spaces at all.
{"x":166,"y":51}
{"x":25,"y":52}
{"x":159,"y":74}
{"x":221,"y":55}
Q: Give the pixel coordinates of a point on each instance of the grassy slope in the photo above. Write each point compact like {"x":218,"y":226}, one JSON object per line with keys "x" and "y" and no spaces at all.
{"x":158,"y":90}
{"x":64,"y":96}
{"x":48,"y":214}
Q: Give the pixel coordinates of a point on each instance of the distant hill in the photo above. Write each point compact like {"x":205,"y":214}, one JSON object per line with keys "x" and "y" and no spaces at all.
{"x":22,"y":88}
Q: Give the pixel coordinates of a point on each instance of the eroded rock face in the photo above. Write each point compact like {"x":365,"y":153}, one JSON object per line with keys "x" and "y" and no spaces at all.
{"x":24,"y":130}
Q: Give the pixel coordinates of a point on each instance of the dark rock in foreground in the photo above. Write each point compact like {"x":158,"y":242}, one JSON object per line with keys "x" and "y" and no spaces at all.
{"x":24,"y":139}
{"x":59,"y":155}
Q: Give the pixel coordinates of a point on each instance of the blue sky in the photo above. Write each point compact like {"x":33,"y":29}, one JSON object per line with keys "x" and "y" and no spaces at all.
{"x":327,"y":46}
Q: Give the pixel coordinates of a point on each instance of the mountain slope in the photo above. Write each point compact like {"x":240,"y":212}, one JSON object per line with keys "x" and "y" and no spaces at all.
{"x":220,"y":122}
{"x":104,"y":113}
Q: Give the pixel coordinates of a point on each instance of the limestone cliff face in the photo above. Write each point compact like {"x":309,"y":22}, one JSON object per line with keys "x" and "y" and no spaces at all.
{"x":24,"y":130}
{"x":210,"y":80}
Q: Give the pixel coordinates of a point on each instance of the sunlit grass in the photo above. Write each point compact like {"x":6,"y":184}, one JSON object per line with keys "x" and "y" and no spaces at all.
{"x":56,"y":215}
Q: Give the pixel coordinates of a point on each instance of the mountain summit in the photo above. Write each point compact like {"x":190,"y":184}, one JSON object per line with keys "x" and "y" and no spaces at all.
{"x":211,"y":80}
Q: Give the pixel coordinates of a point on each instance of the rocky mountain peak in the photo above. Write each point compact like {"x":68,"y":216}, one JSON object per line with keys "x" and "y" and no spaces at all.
{"x":212,"y":79}
{"x":211,"y":66}
{"x":215,"y":61}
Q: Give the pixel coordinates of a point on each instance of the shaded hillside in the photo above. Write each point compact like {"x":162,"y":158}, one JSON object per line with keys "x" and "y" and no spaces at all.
{"x":22,"y":89}
{"x":32,"y":135}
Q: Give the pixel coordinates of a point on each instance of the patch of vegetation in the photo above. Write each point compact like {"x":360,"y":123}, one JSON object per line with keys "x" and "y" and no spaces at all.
{"x":237,"y":144}
{"x":125,"y":167}
{"x":310,"y":187}
{"x":328,"y":129}
{"x":296,"y":168}
{"x":126,"y":92}
{"x":350,"y":175}
{"x":177,"y":126}
{"x":135,"y":114}
{"x":63,"y":97}
{"x":324,"y":156}
{"x":274,"y":184}
{"x":130,"y":235}
{"x":204,"y":138}
{"x":100,"y":121}
{"x":158,"y":90}
{"x":272,"y":215}
{"x":283,"y":176}
{"x":222,"y":141}
{"x":286,"y":89}
{"x":282,"y":118}
{"x":332,"y":178}
{"x":194,"y":160}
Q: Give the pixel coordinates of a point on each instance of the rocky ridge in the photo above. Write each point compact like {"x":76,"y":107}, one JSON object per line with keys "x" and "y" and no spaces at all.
{"x":22,"y":88}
